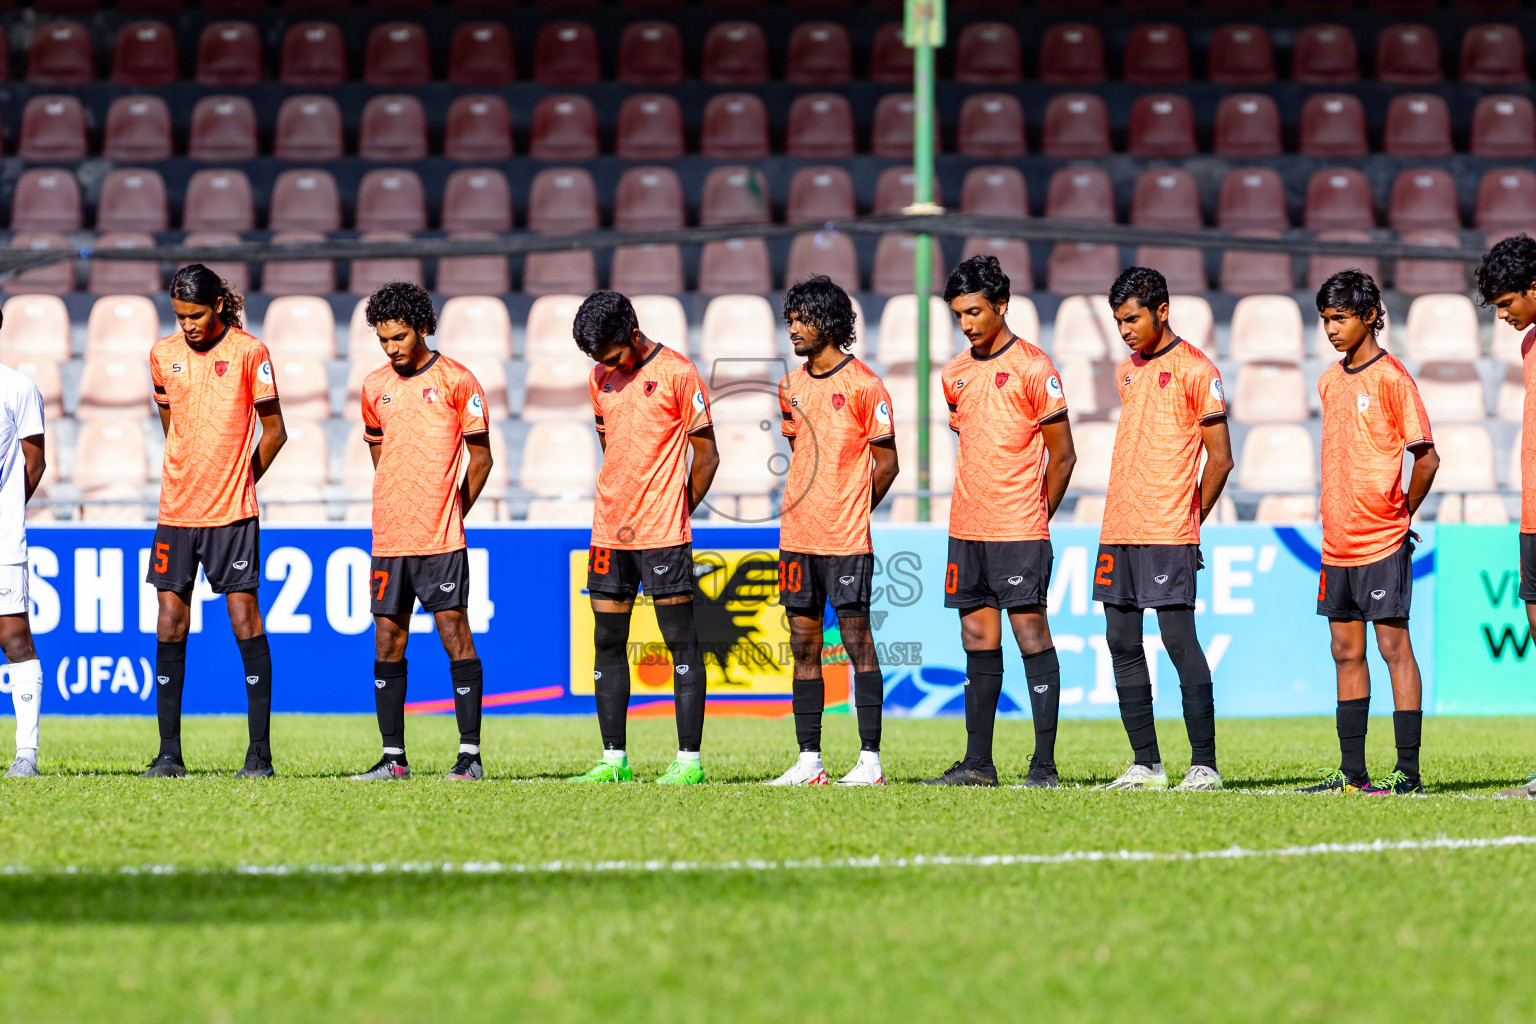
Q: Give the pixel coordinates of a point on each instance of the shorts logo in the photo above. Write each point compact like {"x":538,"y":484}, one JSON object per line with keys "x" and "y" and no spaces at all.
{"x":6,"y":592}
{"x":1216,"y":391}
{"x":597,"y":675}
{"x":220,"y":365}
{"x":26,"y":698}
{"x":429,"y":395}
{"x":1041,"y":688}
{"x":162,"y":680}
{"x":1053,"y":387}
{"x":845,"y":580}
{"x":461,"y":690}
{"x":476,"y":406}
{"x":446,"y":588}
{"x":252,"y":680}
{"x":1001,"y":379}
{"x":1163,"y":379}
{"x":240,"y":564}
{"x":650,"y":388}
{"x":1014,"y":581}
{"x":263,"y":372}
{"x":658,"y":570}
{"x":1160,"y":580}
{"x":838,"y":401}
{"x":378,"y":684}
{"x":1377,"y":595}
{"x":178,"y":367}
{"x":1362,"y":402}
{"x":682,"y":670}
{"x":883,"y":413}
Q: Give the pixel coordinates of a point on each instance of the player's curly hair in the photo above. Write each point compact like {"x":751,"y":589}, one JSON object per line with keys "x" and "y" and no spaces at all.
{"x":200,"y":286}
{"x":1510,"y":266}
{"x":978,"y":274}
{"x":820,"y":302}
{"x":606,"y":318}
{"x":1353,"y":291}
{"x":402,"y":302}
{"x":1145,"y":285}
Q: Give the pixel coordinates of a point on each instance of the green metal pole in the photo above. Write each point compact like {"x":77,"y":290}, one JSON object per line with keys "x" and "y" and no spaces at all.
{"x":922,"y":196}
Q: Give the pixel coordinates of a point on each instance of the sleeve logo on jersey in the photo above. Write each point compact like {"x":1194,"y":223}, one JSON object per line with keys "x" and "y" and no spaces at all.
{"x":883,"y":413}
{"x":837,"y":401}
{"x":1163,"y":379}
{"x":698,"y":400}
{"x":1053,"y":387}
{"x":476,"y":406}
{"x":1362,"y":402}
{"x":1216,"y":391}
{"x":220,"y":365}
{"x":429,"y":395}
{"x":263,"y":372}
{"x":1001,"y":379}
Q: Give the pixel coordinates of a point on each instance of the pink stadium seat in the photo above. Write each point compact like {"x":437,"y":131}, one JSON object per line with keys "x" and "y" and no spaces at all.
{"x":53,"y":129}
{"x":736,"y":266}
{"x":557,"y":388}
{"x":735,"y":127}
{"x":123,"y":326}
{"x":1339,"y":199}
{"x":1320,"y":268}
{"x":647,"y":270}
{"x":1408,"y":55}
{"x":298,"y":277}
{"x":1076,"y":126}
{"x":308,"y":129}
{"x":890,"y":62}
{"x":1418,"y":125}
{"x":1270,"y":393}
{"x":1184,"y":269}
{"x":480,"y":55}
{"x":1466,"y":458}
{"x":53,"y":279}
{"x":566,"y":54}
{"x":111,"y":458}
{"x":314,"y":53}
{"x":891,"y":136}
{"x":1252,"y":199}
{"x":60,"y":54}
{"x":1157,"y":54}
{"x":650,"y":53}
{"x":823,"y":252}
{"x":121,"y":277}
{"x":1072,"y":54}
{"x":218,"y":200}
{"x":898,"y":333}
{"x":138,"y":130}
{"x":50,"y":387}
{"x":1452,"y":392}
{"x":995,"y":191}
{"x":1267,"y":328}
{"x":896,"y":188}
{"x":1333,"y":125}
{"x":820,"y":194}
{"x":735,"y":53}
{"x":391,"y":200}
{"x":987,"y":53}
{"x":1493,"y":55}
{"x":113,"y":387}
{"x":991,"y":127}
{"x":46,"y":199}
{"x":36,"y":327}
{"x":1247,"y":125}
{"x":477,"y":199}
{"x":562,"y":200}
{"x":144,"y":54}
{"x":1506,"y":202}
{"x":649,"y":199}
{"x":1014,"y":256}
{"x":894,"y":268}
{"x":398,"y":54}
{"x":1504,"y":128}
{"x":1168,"y":198}
{"x":1241,"y":55}
{"x":734,"y":195}
{"x":1430,"y":277}
{"x":368,"y":276}
{"x":132,"y":199}
{"x":1249,"y":273}
{"x":302,"y":327}
{"x":1424,"y":198}
{"x":1162,"y":125}
{"x":1081,"y":193}
{"x":819,"y":54}
{"x":237,"y":274}
{"x":564,"y":128}
{"x":1325,"y":55}
{"x":560,"y":458}
{"x":393,"y":128}
{"x":650,"y":128}
{"x":479,"y":328}
{"x":229,"y":53}
{"x":305,"y":201}
{"x":820,"y":127}
{"x":1077,"y":268}
{"x":473,"y":275}
{"x":223,"y":129}
{"x":479,"y":128}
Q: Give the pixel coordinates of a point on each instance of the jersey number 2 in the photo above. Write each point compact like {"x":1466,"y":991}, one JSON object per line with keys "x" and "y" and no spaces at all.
{"x":1106,"y":566}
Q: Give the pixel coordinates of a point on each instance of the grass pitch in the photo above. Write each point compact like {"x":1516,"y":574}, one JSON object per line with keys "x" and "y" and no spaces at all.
{"x":122,"y":899}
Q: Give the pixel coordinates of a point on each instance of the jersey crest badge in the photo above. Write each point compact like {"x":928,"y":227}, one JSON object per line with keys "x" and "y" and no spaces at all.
{"x":1001,"y":379}
{"x":1362,"y":402}
{"x":650,"y":388}
{"x":837,"y":401}
{"x":220,"y":365}
{"x":1163,"y":379}
{"x":429,"y":395}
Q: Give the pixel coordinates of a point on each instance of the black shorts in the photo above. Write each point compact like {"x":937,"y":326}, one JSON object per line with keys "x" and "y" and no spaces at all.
{"x":229,"y":554}
{"x":618,"y":574}
{"x":1147,"y":575}
{"x":440,"y":581}
{"x":997,"y":573}
{"x":808,"y":582}
{"x":1528,"y":567}
{"x":1366,"y":593}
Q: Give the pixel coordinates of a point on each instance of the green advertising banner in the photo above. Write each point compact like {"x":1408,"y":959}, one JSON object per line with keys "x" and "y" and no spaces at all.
{"x":1485,"y":659}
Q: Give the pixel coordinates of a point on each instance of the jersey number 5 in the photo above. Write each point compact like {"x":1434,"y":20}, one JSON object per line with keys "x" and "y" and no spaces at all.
{"x":162,"y":557}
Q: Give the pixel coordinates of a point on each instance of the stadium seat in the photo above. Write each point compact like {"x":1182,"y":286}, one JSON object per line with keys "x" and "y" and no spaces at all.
{"x":649,"y":199}
{"x":650,"y":128}
{"x":547,"y":331}
{"x":995,"y":191}
{"x":1442,"y":328}
{"x":1266,"y":328}
{"x":298,"y":277}
{"x":1089,"y":386}
{"x":1332,"y":125}
{"x":1424,"y":198}
{"x":735,"y":266}
{"x":113,"y":387}
{"x":564,"y":128}
{"x":1418,"y":125}
{"x":819,"y":54}
{"x":896,"y":188}
{"x":890,"y":61}
{"x":1252,"y":199}
{"x":398,"y":54}
{"x":59,"y":53}
{"x":480,"y":55}
{"x":735,"y":127}
{"x":1078,"y":267}
{"x":566,"y":54}
{"x":987,"y":53}
{"x":1192,"y":318}
{"x":560,"y":458}
{"x":1466,"y":458}
{"x":144,"y":54}
{"x":1072,"y":54}
{"x":223,"y":130}
{"x":1156,"y":54}
{"x":1246,"y":272}
{"x":1408,"y":55}
{"x":302,"y":327}
{"x":237,"y":274}
{"x":557,"y":389}
{"x":314,"y":54}
{"x":52,"y":129}
{"x":1095,"y":444}
{"x":391,"y":200}
{"x":1287,"y":509}
{"x":50,"y":280}
{"x":1338,"y":199}
{"x":735,"y":53}
{"x":132,"y":199}
{"x":50,"y":387}
{"x":306,"y":392}
{"x":1241,"y":55}
{"x":823,"y":252}
{"x":734,"y":195}
{"x":891,"y":136}
{"x":1270,"y":393}
{"x":893,"y":270}
{"x":393,"y":128}
{"x":46,"y":199}
{"x":1452,"y":392}
{"x":110,"y":453}
{"x":1076,"y":126}
{"x":820,"y":127}
{"x":473,"y":275}
{"x":308,"y":129}
{"x":138,"y":130}
{"x":637,"y":269}
{"x":737,"y":339}
{"x":291,"y":491}
{"x":218,"y":200}
{"x":1428,"y":276}
{"x":35,"y":327}
{"x":1085,"y":329}
{"x":1505,"y":343}
{"x":1278,"y":457}
{"x":1325,"y":55}
{"x":477,"y":199}
{"x":1162,"y":125}
{"x":663,"y":319}
{"x":991,"y":127}
{"x":1510,"y":403}
{"x":1493,"y":55}
{"x":1081,"y":193}
{"x":1012,"y":254}
{"x":479,"y":129}
{"x":1320,"y":268}
{"x":560,"y":273}
{"x":228,"y":53}
{"x":1504,"y":128}
{"x":1184,"y":269}
{"x":305,"y":201}
{"x":1247,"y":125}
{"x":942,"y":454}
{"x":1473,"y":509}
{"x":743,"y":486}
{"x":820,"y":194}
{"x":1168,"y":198}
{"x":562,"y":200}
{"x":1506,"y":203}
{"x":650,"y":53}
{"x":897,"y":344}
{"x":478,"y":329}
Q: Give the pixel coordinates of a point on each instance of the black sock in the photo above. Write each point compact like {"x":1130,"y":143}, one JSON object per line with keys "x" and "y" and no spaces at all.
{"x":1177,"y":626}
{"x":170,"y":675}
{"x":688,"y":679}
{"x":983,"y":687}
{"x":1042,"y":672}
{"x":1352,"y":718}
{"x":1406,"y":728}
{"x":257,"y":655}
{"x":808,"y":697}
{"x":610,"y":676}
{"x":468,"y":687}
{"x":1133,"y":683}
{"x":389,"y":701}
{"x":868,"y":701}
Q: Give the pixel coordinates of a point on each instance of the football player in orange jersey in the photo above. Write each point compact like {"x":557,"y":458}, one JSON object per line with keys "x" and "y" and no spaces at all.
{"x":837,"y":415}
{"x":212,"y":382}
{"x":421,"y":411}
{"x":1172,"y":408}
{"x":1506,"y":280}
{"x":1371,"y":413}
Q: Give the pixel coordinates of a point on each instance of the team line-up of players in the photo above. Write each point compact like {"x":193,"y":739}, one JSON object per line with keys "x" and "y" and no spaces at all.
{"x":423,"y":411}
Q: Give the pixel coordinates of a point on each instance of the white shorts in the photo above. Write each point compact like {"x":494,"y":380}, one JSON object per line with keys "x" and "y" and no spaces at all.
{"x":14,"y":599}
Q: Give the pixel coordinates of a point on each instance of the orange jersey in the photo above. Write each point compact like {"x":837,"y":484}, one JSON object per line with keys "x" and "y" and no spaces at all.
{"x":420,"y":422}
{"x":1154,"y":475}
{"x":834,"y":419}
{"x":206,"y":478}
{"x":645,"y":417}
{"x":1528,"y":437}
{"x":1370,"y":415}
{"x":997,"y":404}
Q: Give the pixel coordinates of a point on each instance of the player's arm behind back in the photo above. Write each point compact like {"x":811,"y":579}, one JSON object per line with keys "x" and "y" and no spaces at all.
{"x":1062,"y":460}
{"x":1218,"y":463}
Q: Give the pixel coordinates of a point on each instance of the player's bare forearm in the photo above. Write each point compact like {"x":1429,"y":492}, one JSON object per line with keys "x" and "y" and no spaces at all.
{"x":32,"y":452}
{"x":1063,"y":459}
{"x":273,"y":436}
{"x":1426,"y":463}
{"x":706,"y":460}
{"x":480,"y":462}
{"x":1218,"y":464}
{"x":165,"y":420}
{"x":883,"y":475}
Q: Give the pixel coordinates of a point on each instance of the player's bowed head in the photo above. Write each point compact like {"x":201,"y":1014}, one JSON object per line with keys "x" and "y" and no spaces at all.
{"x":402,"y":316}
{"x":204,"y":303}
{"x":820,"y":318}
{"x":1506,"y":280}
{"x":977,"y":293}
{"x":1139,"y":300}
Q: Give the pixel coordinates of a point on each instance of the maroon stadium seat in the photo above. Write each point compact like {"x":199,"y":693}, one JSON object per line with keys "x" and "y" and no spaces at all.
{"x":995,"y":192}
{"x":1506,"y":202}
{"x":564,"y":128}
{"x":305,"y":200}
{"x":394,"y":128}
{"x":223,"y":129}
{"x":1256,"y":273}
{"x":229,"y":53}
{"x":890,"y":62}
{"x":305,"y":277}
{"x":891,"y":135}
{"x":562,"y":200}
{"x":368,"y":276}
{"x":5,"y":62}
{"x":1504,"y":128}
{"x":1418,"y":125}
{"x":1168,"y":198}
{"x":650,"y":53}
{"x":1493,"y":55}
{"x":894,"y":269}
{"x":1157,"y":54}
{"x":479,"y":128}
{"x":987,"y":53}
{"x":473,"y":275}
{"x":1184,"y":269}
{"x":735,"y":53}
{"x":1339,"y":199}
{"x":820,"y":194}
{"x":477,"y":199}
{"x":735,"y":127}
{"x":1072,"y":54}
{"x":1430,"y":277}
{"x":1076,"y":125}
{"x":314,"y":53}
{"x":896,"y":188}
{"x":1332,"y":125}
{"x":480,"y":55}
{"x":738,"y":266}
{"x":218,"y":200}
{"x":1241,"y":55}
{"x":1247,"y":125}
{"x":1081,"y":193}
{"x":823,"y":252}
{"x":1252,"y":199}
{"x":1408,"y":55}
{"x":237,"y":274}
{"x":650,"y":128}
{"x":1081,"y":268}
{"x":819,"y":54}
{"x":46,"y":199}
{"x":1424,"y":199}
{"x":991,"y":126}
{"x":52,"y":128}
{"x":138,"y":129}
{"x":566,"y":54}
{"x":647,"y":270}
{"x":391,"y":200}
{"x":123,"y":277}
{"x":649,"y":199}
{"x":144,"y":54}
{"x":1012,"y":253}
{"x":308,"y":128}
{"x":60,"y":54}
{"x":1325,"y":55}
{"x":132,"y":199}
{"x":734,"y":195}
{"x":398,"y":54}
{"x":820,"y":127}
{"x":53,"y":279}
{"x":1162,"y":125}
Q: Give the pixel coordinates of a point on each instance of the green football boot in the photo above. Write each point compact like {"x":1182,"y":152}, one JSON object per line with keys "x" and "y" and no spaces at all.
{"x":682,"y":773}
{"x":606,"y":771}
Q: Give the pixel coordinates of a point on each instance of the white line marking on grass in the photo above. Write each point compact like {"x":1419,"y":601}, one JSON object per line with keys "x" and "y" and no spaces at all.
{"x":876,"y":862}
